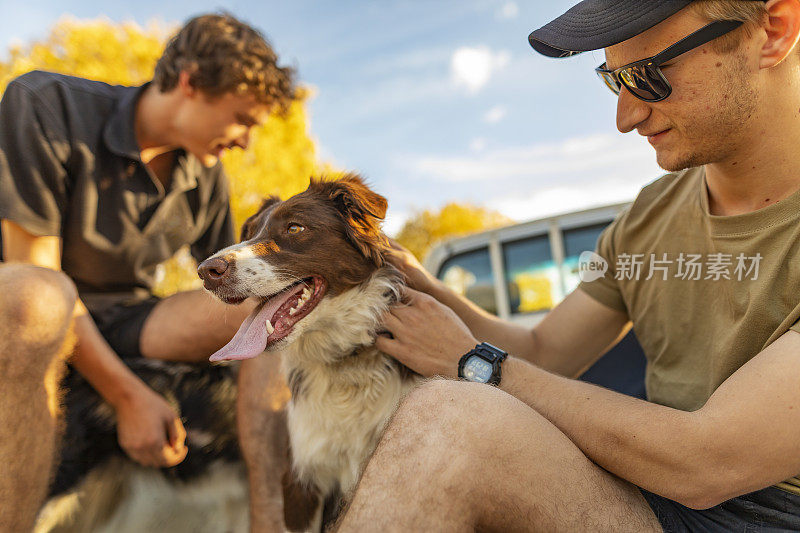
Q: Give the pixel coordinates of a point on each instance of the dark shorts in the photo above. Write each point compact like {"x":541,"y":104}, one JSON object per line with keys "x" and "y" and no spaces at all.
{"x":770,"y":509}
{"x":122,"y":325}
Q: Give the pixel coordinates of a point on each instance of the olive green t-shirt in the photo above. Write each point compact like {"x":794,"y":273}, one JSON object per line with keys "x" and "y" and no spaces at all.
{"x":720,"y":288}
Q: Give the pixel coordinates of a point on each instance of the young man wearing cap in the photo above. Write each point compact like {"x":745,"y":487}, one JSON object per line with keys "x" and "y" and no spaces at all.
{"x":103,"y":183}
{"x":717,"y":447}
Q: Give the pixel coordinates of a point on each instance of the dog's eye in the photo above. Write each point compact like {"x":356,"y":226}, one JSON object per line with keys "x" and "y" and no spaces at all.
{"x":294,"y":229}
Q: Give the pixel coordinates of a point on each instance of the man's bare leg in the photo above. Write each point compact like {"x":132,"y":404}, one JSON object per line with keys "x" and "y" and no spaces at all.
{"x":35,"y":315}
{"x":190,"y":326}
{"x":264,"y":438}
{"x":462,"y":456}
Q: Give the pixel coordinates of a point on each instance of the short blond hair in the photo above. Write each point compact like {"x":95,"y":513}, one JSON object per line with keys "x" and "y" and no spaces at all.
{"x":752,"y":13}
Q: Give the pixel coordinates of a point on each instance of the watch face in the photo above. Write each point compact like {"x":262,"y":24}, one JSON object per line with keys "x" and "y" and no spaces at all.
{"x":477,"y":369}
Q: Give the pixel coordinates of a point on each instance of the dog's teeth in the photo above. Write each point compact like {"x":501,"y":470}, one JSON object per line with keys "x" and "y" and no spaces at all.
{"x":270,"y":328}
{"x":300,"y":303}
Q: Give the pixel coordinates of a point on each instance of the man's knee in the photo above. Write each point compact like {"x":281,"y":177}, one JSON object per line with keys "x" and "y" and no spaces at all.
{"x":448,"y":402}
{"x":446,"y":419}
{"x":36,"y":307}
{"x":467,"y":423}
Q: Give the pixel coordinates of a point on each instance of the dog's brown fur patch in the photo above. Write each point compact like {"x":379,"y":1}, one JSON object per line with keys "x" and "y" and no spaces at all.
{"x":341,"y":221}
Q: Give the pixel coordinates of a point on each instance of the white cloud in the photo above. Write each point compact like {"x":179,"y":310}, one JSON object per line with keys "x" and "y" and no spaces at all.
{"x":472,"y":67}
{"x":527,"y":182}
{"x":477,"y":144}
{"x":576,"y":156}
{"x":509,"y":10}
{"x":558,"y":199}
{"x":495,"y":114}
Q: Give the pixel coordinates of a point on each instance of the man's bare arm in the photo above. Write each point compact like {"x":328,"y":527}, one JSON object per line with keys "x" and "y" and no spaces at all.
{"x":592,"y":326}
{"x":144,"y":418}
{"x":746,"y":437}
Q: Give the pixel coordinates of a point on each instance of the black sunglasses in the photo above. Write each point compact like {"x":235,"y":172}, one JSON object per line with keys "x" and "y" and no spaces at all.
{"x":644,"y":78}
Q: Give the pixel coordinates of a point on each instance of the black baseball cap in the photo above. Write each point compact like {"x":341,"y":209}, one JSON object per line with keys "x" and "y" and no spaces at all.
{"x":596,"y":24}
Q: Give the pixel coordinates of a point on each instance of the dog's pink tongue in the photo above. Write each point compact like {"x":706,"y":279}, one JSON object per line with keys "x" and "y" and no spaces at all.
{"x":251,"y":339}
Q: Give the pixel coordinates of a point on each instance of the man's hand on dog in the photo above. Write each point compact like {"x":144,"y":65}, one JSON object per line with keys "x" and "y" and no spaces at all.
{"x":428,"y":337}
{"x":416,"y":276}
{"x":149,"y":430}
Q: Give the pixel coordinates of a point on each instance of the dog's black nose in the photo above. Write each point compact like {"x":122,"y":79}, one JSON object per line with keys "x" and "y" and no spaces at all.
{"x":213,"y":271}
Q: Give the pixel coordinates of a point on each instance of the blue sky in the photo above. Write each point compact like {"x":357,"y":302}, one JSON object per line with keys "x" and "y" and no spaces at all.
{"x":433,"y":101}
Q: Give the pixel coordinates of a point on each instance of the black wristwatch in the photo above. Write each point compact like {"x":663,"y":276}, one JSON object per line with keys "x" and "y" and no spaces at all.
{"x":482,"y":364}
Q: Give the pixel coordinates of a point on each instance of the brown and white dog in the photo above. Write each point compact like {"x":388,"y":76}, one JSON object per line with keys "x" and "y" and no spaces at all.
{"x":317,"y":263}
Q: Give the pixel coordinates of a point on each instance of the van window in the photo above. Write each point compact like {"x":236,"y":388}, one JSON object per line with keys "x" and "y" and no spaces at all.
{"x":576,"y":241}
{"x":531,"y":275}
{"x":470,"y":274}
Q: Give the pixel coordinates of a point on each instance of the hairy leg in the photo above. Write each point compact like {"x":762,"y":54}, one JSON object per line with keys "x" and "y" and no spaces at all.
{"x":464,"y":457}
{"x":35,"y":316}
{"x":190,"y":326}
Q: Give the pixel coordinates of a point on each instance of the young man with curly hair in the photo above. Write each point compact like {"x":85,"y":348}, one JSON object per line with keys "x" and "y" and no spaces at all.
{"x":714,"y":86}
{"x":99,"y":184}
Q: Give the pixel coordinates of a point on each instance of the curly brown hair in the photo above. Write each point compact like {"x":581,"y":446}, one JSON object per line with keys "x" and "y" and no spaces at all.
{"x":223,"y":54}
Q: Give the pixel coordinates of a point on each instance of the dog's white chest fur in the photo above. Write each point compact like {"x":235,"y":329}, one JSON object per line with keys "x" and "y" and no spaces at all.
{"x":337,"y":419}
{"x":341,"y":401}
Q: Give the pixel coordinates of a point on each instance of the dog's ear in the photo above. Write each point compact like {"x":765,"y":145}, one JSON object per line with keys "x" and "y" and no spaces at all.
{"x":363,"y":211}
{"x":251,"y":225}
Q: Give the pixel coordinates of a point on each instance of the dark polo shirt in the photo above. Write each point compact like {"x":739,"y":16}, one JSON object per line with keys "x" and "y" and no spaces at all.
{"x":70,"y":167}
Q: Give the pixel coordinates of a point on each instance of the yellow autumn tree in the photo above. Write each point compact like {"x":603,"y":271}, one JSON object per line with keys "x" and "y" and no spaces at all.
{"x":427,"y":228}
{"x":120,"y":54}
{"x":281,"y":155}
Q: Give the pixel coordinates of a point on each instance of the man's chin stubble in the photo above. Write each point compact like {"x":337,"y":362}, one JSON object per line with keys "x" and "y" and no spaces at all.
{"x":678,"y":164}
